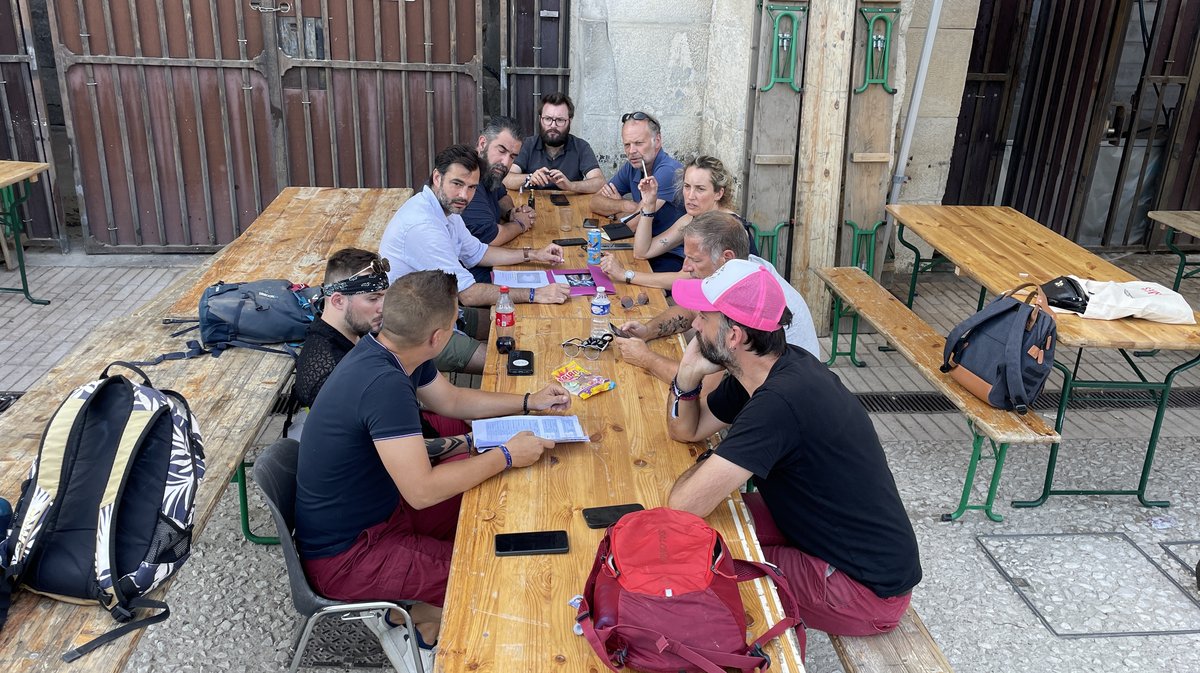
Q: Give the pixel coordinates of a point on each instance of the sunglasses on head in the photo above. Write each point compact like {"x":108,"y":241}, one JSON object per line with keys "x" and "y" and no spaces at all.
{"x":379,"y":267}
{"x":638,"y":116}
{"x":630,"y":302}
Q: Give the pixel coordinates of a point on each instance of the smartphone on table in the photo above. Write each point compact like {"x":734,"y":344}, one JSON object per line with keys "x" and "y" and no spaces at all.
{"x":603,"y":517}
{"x":534,"y":542}
{"x":568,"y":242}
{"x":520,"y":363}
{"x":560,"y":200}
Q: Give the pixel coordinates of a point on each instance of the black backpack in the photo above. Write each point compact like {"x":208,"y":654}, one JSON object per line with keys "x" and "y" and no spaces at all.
{"x":1004,"y":353}
{"x":248,"y":315}
{"x":106,"y":512}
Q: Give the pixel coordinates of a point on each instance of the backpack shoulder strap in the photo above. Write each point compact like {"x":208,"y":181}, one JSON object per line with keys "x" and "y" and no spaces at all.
{"x":75,"y":653}
{"x":1012,"y":359}
{"x":748,"y":570}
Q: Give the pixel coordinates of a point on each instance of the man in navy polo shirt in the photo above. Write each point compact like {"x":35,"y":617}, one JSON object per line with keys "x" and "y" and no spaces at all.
{"x":375,"y":515}
{"x":554,"y":158}
{"x":641,"y":136}
{"x":491,"y":216}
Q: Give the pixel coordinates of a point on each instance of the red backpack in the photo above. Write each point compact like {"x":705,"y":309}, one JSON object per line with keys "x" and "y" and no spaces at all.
{"x":663,"y":596}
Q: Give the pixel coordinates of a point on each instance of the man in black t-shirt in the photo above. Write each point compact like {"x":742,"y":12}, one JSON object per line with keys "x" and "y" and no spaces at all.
{"x":829,"y":515}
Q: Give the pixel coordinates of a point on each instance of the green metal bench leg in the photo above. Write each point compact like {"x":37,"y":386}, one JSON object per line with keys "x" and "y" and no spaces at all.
{"x":239,"y":477}
{"x":838,"y":312}
{"x":863,"y":238}
{"x":11,"y":223}
{"x":1183,"y":263}
{"x":999,"y":452}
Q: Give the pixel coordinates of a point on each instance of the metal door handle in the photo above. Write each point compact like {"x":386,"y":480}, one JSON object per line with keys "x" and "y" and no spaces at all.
{"x":257,"y":6}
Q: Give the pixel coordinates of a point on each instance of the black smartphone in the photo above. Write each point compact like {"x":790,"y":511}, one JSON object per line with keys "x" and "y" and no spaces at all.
{"x":615,"y":246}
{"x":591,"y":223}
{"x":560,"y":200}
{"x":520,"y":363}
{"x":568,"y":242}
{"x":617,"y":331}
{"x":536,"y":542}
{"x":603,"y":517}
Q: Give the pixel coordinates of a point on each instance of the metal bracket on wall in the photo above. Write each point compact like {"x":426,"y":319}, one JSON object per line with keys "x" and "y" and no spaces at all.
{"x":878,"y":53}
{"x":784,"y":73}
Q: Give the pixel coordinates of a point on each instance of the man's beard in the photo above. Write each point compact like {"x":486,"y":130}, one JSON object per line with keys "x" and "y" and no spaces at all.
{"x":491,"y":180}
{"x":555,"y":142}
{"x":718,"y":355}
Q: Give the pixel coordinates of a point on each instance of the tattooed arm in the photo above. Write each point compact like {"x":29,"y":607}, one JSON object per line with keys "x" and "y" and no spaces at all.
{"x":444,"y":447}
{"x":671,"y":321}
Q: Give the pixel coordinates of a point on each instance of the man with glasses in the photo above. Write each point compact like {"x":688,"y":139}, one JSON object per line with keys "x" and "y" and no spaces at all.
{"x":554,"y":158}
{"x":491,"y":216}
{"x":827,"y":511}
{"x":641,"y":137}
{"x":710,"y":241}
{"x":428,"y":233}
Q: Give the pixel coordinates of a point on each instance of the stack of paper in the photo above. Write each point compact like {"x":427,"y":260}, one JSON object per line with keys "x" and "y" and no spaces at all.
{"x":490,"y":432}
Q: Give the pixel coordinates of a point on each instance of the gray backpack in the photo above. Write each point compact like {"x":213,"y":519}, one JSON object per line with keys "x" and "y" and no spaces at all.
{"x":1004,"y":353}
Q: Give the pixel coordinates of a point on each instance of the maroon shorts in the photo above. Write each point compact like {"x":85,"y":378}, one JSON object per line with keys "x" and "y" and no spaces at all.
{"x":827,"y":599}
{"x":406,"y":558}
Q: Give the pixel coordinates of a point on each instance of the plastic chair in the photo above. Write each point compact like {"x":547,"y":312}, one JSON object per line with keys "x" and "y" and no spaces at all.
{"x":275,"y":473}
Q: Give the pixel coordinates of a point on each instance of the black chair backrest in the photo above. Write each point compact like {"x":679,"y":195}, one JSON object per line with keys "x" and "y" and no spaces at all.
{"x":275,"y":474}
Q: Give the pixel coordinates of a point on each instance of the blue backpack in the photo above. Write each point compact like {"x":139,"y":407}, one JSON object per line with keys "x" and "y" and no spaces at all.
{"x":1004,"y":353}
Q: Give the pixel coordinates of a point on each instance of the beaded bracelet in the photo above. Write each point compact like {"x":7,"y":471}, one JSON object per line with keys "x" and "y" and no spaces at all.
{"x":525,"y":405}
{"x":681,"y":396}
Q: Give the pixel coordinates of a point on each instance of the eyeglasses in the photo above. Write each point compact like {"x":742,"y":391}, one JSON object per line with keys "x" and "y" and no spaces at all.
{"x":555,"y":121}
{"x":638,"y":116}
{"x":630,"y":302}
{"x":591,"y":348}
{"x":378,"y":267}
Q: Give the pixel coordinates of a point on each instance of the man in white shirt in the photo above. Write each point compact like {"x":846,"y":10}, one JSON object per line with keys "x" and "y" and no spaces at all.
{"x":428,"y":233}
{"x":709,"y":241}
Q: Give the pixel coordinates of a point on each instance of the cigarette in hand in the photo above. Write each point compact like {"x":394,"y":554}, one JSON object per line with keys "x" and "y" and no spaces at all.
{"x":644,"y":175}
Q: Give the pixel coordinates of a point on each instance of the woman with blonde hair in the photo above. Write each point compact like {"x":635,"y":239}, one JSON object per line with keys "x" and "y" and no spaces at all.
{"x":707,"y":186}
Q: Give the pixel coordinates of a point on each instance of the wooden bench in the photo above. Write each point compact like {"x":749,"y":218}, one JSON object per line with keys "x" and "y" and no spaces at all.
{"x":922,"y":346}
{"x":907,"y":649}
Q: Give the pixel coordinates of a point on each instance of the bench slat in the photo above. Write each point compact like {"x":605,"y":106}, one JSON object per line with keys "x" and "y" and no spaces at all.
{"x":907,"y":649}
{"x":922,"y":346}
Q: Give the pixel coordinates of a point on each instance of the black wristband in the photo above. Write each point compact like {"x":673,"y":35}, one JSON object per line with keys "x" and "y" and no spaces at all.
{"x":525,"y":405}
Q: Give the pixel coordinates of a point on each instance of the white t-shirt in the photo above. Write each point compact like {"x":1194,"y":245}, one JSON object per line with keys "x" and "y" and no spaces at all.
{"x":801,"y":332}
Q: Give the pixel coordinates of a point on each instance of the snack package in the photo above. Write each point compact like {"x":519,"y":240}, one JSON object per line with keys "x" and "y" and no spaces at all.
{"x":580,"y":381}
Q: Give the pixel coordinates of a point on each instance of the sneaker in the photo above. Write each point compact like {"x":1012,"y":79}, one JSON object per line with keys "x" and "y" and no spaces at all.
{"x":427,"y":658}
{"x":395,"y":643}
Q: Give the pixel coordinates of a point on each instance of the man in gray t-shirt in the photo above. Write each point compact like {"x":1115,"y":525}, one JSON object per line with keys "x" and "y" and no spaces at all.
{"x":555,"y":159}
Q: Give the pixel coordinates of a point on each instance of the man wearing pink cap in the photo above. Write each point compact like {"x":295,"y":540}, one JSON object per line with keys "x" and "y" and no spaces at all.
{"x":827,"y":511}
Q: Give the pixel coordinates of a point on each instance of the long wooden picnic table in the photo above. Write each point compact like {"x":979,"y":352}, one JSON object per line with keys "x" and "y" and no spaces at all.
{"x":1000,"y":248}
{"x":1176,"y":222}
{"x":14,"y":174}
{"x":231,"y":396}
{"x":512,"y":613}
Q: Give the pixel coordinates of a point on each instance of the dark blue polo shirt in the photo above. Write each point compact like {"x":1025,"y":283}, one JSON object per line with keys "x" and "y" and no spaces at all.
{"x":575,"y":161}
{"x":482,"y":215}
{"x":342,"y":487}
{"x":665,"y":169}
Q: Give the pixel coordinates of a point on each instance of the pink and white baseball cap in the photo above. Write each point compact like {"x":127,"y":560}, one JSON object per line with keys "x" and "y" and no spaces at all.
{"x":741,"y":290}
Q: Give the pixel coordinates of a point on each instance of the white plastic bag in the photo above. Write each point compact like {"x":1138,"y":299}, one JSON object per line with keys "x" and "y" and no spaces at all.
{"x":1110,"y":300}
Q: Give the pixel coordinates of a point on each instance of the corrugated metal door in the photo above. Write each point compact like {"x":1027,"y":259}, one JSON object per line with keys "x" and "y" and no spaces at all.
{"x":535,"y":55}
{"x":188,"y":118}
{"x":24,"y":136}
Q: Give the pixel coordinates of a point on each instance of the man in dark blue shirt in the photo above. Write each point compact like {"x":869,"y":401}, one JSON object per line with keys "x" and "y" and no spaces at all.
{"x":491,"y":216}
{"x":641,"y":136}
{"x":375,"y":516}
{"x":554,"y":158}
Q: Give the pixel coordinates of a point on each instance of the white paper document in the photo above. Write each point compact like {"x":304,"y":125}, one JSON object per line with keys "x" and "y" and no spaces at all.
{"x":491,"y":432}
{"x":520,"y":278}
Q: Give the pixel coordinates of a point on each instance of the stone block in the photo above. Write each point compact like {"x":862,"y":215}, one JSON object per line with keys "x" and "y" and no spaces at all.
{"x":933,"y":142}
{"x":947,"y":70}
{"x":955,"y":13}
{"x":645,"y":14}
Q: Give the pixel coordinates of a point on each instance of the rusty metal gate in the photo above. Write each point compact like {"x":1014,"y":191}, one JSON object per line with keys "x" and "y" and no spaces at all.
{"x":25,"y":134}
{"x":188,"y":118}
{"x":535,"y":44}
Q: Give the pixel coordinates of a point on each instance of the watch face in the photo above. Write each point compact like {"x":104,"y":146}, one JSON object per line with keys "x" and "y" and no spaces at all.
{"x":628,"y":275}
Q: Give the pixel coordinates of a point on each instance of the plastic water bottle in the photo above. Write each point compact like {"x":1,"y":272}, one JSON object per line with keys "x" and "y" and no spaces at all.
{"x":600,"y":308}
{"x":506,"y":320}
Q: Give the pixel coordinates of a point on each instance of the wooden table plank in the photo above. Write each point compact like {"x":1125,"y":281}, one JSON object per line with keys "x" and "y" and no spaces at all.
{"x":12,"y":172}
{"x":511,"y":613}
{"x":1001,"y":248}
{"x":231,"y":396}
{"x":1183,"y":221}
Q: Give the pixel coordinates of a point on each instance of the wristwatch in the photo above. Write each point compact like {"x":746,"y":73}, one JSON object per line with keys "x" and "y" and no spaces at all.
{"x":629,"y":274}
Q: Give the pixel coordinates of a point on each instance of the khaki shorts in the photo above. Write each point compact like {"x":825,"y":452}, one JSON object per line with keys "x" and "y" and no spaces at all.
{"x":457,"y":353}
